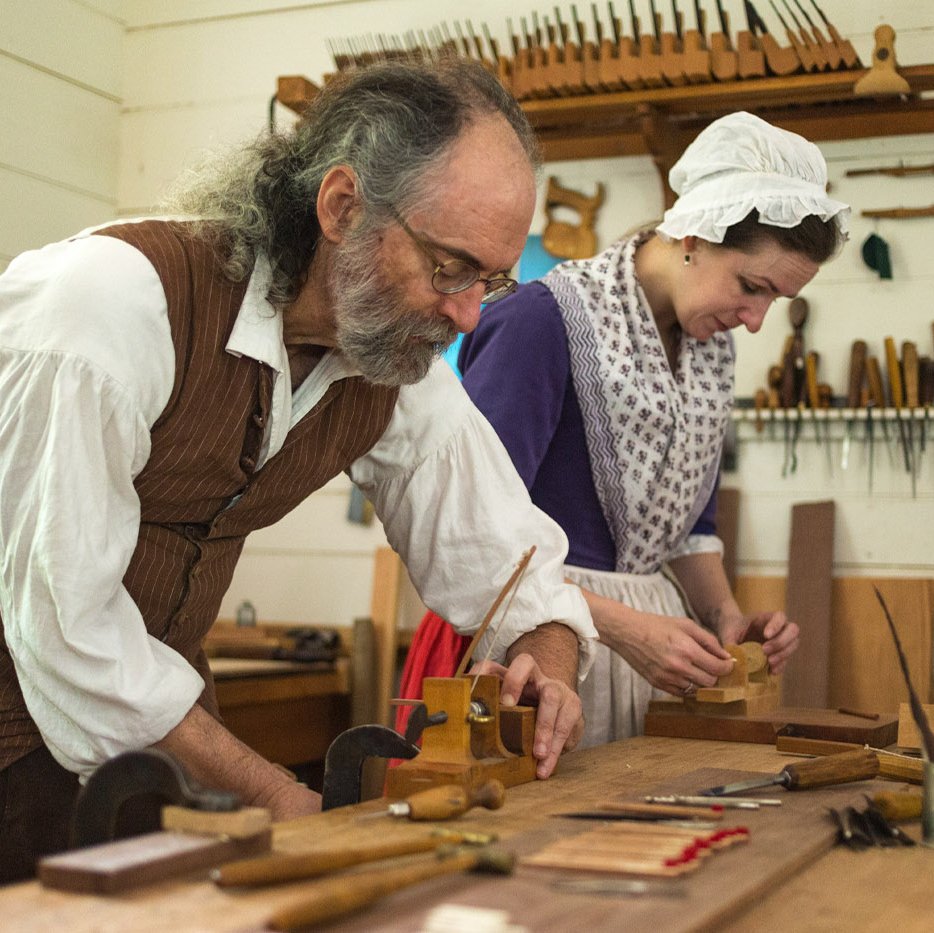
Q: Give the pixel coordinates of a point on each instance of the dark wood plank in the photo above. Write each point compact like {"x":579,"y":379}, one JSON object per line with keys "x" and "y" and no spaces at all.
{"x":809,"y":602}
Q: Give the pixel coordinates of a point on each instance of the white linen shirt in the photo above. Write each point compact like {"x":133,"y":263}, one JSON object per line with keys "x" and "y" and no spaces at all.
{"x":80,"y":389}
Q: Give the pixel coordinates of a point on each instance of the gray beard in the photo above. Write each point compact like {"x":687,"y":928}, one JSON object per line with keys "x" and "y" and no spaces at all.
{"x":377,"y":331}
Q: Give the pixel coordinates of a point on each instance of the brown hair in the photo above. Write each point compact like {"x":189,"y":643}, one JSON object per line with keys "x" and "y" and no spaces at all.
{"x":815,"y":238}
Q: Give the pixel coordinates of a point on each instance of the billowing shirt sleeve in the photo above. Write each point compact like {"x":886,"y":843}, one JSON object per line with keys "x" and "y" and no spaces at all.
{"x":86,"y":366}
{"x":458,"y":514}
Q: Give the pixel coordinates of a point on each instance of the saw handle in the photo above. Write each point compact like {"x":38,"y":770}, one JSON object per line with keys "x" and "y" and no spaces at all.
{"x":857,"y":765}
{"x":450,"y":800}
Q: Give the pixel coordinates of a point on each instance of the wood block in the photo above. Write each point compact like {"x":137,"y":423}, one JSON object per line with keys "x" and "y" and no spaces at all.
{"x":672,"y":719}
{"x":239,"y":824}
{"x":909,"y":738}
{"x":140,"y":860}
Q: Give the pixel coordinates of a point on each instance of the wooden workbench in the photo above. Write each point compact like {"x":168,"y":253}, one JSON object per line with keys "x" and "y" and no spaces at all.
{"x":818,"y":888}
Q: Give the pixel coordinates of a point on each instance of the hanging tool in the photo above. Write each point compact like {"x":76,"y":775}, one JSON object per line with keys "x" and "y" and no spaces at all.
{"x":293,"y":866}
{"x":761,"y":403}
{"x":445,"y":802}
{"x":324,"y":900}
{"x":858,"y":765}
{"x":829,"y":49}
{"x":910,"y":377}
{"x":926,"y":390}
{"x":847,"y":52}
{"x":814,"y":400}
{"x":853,"y":394}
{"x":793,"y":382}
{"x":877,"y":399}
{"x":896,"y":392}
{"x":802,"y":51}
{"x":781,"y":61}
{"x":820,"y":61}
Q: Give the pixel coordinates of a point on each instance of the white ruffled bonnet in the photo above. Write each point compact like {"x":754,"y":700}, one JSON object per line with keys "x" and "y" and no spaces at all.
{"x":738,"y":163}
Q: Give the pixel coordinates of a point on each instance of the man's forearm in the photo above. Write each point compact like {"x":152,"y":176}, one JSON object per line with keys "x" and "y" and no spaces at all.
{"x":214,"y":757}
{"x":554,"y":648}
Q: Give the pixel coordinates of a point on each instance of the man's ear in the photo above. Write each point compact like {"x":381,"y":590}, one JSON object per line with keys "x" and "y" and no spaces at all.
{"x":337,"y":202}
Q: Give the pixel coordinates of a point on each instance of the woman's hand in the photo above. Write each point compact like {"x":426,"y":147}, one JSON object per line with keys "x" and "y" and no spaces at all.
{"x":778,"y":636}
{"x":674,"y":654}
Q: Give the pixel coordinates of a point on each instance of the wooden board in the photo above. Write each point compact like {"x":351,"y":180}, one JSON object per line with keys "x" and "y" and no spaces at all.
{"x":909,"y":737}
{"x":670,"y":718}
{"x":808,"y":601}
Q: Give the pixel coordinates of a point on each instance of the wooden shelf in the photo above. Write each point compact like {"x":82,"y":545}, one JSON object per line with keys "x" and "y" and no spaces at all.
{"x":819,"y":107}
{"x":661,"y":122}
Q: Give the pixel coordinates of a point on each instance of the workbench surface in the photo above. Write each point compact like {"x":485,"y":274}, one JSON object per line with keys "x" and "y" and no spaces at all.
{"x":787,"y":877}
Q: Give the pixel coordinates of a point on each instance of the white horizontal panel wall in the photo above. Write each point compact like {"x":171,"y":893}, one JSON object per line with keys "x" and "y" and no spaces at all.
{"x":60,"y":72}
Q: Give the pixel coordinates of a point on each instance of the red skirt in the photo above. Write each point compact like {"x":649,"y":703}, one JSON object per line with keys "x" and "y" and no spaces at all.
{"x":436,"y":651}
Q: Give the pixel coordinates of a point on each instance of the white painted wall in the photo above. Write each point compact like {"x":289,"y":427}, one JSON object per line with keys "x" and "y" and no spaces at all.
{"x":61,"y":70}
{"x":198,"y":74}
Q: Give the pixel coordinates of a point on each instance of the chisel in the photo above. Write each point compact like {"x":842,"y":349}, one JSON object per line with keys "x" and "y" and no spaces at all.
{"x":445,"y":802}
{"x":910,"y":378}
{"x":896,"y":390}
{"x":854,"y":390}
{"x":857,"y":765}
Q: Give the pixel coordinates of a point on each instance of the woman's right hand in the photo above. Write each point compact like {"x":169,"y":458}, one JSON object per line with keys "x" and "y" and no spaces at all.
{"x":674,"y":654}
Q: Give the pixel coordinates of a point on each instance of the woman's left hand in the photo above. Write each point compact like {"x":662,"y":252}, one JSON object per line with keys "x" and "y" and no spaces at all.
{"x":777,"y":634}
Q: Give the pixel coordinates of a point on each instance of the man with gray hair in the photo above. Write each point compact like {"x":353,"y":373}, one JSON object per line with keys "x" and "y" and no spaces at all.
{"x":168,"y":386}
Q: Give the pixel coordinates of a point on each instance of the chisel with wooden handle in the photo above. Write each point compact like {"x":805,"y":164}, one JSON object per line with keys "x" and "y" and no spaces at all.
{"x":327,"y":901}
{"x":910,"y":378}
{"x":293,"y":866}
{"x":854,"y":389}
{"x":896,"y":391}
{"x":446,"y":802}
{"x":858,"y":765}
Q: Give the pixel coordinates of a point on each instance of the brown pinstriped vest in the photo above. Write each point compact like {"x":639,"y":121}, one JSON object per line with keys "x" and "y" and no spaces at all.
{"x":204,"y":451}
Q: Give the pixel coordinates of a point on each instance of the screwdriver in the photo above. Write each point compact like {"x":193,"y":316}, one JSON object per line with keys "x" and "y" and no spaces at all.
{"x":857,"y":765}
{"x":446,"y":802}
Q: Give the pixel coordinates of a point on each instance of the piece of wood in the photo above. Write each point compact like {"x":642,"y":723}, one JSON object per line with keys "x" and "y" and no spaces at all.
{"x":865,"y":673}
{"x":909,"y":738}
{"x":142,"y":860}
{"x":728,"y":529}
{"x":809,"y":603}
{"x":670,"y":718}
{"x":883,"y":78}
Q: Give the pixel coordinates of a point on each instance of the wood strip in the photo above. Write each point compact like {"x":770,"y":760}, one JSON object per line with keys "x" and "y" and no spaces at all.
{"x":809,"y":602}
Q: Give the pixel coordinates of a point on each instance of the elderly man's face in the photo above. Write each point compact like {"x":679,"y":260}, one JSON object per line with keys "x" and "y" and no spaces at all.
{"x":390,"y":321}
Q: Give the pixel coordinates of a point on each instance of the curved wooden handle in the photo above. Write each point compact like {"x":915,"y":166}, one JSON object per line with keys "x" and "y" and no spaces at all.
{"x":450,"y":800}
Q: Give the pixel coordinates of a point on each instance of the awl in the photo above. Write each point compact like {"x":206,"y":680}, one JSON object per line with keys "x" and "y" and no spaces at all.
{"x":858,"y":765}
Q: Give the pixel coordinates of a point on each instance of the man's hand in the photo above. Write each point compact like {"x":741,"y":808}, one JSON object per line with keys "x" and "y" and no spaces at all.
{"x":779,"y":636}
{"x":215,"y":758}
{"x":559,"y":721}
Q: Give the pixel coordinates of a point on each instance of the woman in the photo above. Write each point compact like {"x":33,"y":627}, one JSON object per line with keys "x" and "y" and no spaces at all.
{"x":610,"y":382}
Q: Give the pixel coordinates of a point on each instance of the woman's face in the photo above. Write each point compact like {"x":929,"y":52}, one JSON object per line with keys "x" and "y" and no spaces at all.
{"x":724,"y":288}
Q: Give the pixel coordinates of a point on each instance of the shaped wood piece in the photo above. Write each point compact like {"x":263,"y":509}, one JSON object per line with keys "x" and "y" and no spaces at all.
{"x":565,"y":240}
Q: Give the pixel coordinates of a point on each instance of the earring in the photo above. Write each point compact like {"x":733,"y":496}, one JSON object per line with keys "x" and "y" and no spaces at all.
{"x":687,"y":259}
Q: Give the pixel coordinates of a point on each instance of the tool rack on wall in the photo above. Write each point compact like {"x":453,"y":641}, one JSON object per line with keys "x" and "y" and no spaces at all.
{"x":662,"y":121}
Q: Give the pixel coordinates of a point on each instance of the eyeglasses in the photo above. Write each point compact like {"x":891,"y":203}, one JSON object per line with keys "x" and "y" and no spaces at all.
{"x":457,"y":275}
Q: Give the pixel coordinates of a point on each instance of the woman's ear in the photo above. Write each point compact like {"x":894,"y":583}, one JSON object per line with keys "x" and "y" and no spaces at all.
{"x":337,"y":202}
{"x":689,"y":244}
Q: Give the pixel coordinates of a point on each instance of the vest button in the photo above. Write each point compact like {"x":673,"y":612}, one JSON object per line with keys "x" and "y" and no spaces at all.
{"x":247,"y":464}
{"x":259,"y":419}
